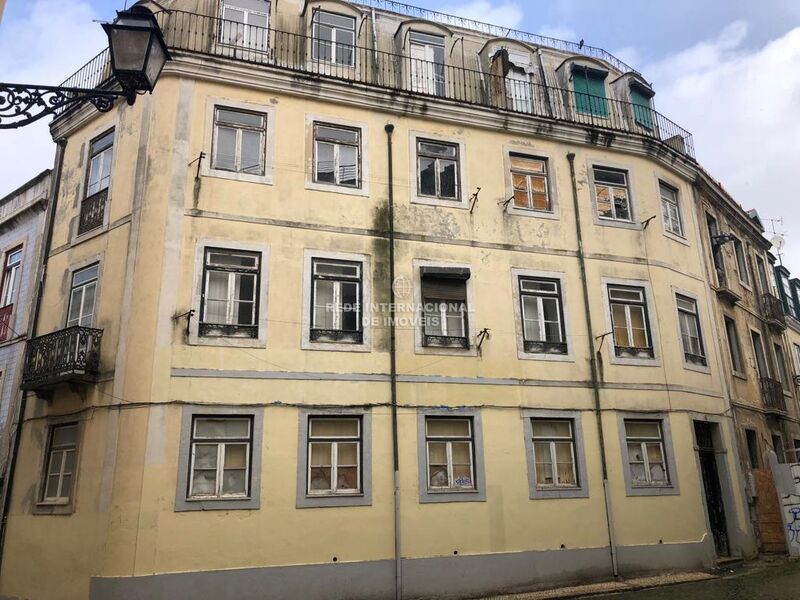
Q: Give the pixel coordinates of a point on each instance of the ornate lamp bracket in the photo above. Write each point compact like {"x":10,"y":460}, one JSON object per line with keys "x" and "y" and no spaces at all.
{"x":22,"y":104}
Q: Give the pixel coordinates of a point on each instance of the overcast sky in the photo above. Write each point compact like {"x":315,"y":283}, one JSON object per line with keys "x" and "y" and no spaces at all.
{"x":726,"y":70}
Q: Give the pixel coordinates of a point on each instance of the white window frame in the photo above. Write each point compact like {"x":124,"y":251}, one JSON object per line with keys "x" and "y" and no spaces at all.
{"x":448,"y":441}
{"x":11,"y":276}
{"x":601,"y":163}
{"x":264,"y":46}
{"x":552,"y":176}
{"x":671,"y":214}
{"x":334,"y":43}
{"x":428,"y":82}
{"x":83,"y":287}
{"x":207,"y":168}
{"x":230,"y":299}
{"x":363,"y":189}
{"x":680,"y":294}
{"x":64,"y":450}
{"x":653,"y":332}
{"x":99,"y":158}
{"x":262,"y":295}
{"x":644,"y":442}
{"x":239,"y":129}
{"x":334,"y":441}
{"x":551,"y":442}
{"x":672,"y":488}
{"x":516,"y":275}
{"x":222,"y":444}
{"x":336,"y":151}
{"x":642,"y":305}
{"x":610,"y":187}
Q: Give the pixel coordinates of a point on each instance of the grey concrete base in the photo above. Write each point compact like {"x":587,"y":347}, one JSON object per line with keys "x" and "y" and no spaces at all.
{"x":440,"y":577}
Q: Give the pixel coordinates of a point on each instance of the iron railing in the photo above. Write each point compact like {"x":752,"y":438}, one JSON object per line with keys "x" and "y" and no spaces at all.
{"x":497,"y":31}
{"x":68,"y":355}
{"x":541,"y":347}
{"x":772,"y":394}
{"x":94,"y":74}
{"x":93,"y":211}
{"x":445,"y":341}
{"x":634,"y":351}
{"x":772,"y":310}
{"x":336,"y":335}
{"x":315,"y":58}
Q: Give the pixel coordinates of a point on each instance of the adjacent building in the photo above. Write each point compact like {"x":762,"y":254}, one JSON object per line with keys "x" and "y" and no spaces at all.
{"x":368,"y":301}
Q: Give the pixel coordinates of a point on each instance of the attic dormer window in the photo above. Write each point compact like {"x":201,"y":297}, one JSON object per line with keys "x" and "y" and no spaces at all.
{"x":333,"y":38}
{"x":518,"y":83}
{"x":245,"y":23}
{"x":427,"y":63}
{"x":590,"y":91}
{"x":642,"y":105}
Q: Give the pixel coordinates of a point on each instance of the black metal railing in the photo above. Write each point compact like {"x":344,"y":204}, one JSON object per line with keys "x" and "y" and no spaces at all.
{"x":695,"y":359}
{"x":202,"y":34}
{"x":539,"y":347}
{"x":634,"y":352}
{"x":772,"y":309}
{"x":445,"y":341}
{"x":94,"y":74}
{"x":92,"y":212}
{"x":772,"y":394}
{"x":497,"y":31}
{"x":72,"y":354}
{"x":227,"y":330}
{"x":336,"y":335}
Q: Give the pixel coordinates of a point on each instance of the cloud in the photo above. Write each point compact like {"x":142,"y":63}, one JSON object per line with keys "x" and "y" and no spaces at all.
{"x":505,"y":14}
{"x":37,"y":48}
{"x":741,"y":106}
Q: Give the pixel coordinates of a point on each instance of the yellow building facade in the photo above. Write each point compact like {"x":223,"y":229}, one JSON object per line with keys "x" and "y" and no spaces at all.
{"x":363,"y":305}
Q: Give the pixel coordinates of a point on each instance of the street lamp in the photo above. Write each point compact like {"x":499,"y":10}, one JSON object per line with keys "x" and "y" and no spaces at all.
{"x":138,"y":54}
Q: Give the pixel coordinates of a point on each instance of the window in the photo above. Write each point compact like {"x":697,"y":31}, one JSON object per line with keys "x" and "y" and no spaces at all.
{"x":427,"y":63}
{"x":691,"y":336}
{"x":450,"y":454}
{"x":797,"y":357}
{"x":671,"y":210}
{"x":10,"y":276}
{"x":642,"y":107}
{"x":61,"y":463}
{"x":519,"y":93}
{"x":333,"y":38}
{"x":783,"y":371}
{"x":733,"y":345}
{"x":646,"y":458}
{"x":761,"y":359}
{"x":220,"y":457}
{"x":437,"y":169}
{"x":229,"y":303}
{"x":762,"y":275}
{"x":630,"y":322}
{"x":245,"y":23}
{"x":786,"y":292}
{"x":530,"y":180}
{"x":334,"y":456}
{"x":337,"y":155}
{"x":239,"y":141}
{"x":741,"y":261}
{"x":82,"y":297}
{"x":716,"y":255}
{"x":336,"y":301}
{"x":590,"y":91}
{"x":444,"y":299}
{"x":554,"y":453}
{"x":612,"y":194}
{"x":100,"y":155}
{"x":752,"y":448}
{"x":542,"y":316}
{"x":777,"y":446}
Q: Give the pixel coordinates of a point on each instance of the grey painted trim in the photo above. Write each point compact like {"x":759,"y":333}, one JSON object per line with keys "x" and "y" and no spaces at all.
{"x":673,"y":489}
{"x":304,"y":500}
{"x":582,"y":491}
{"x":182,"y":503}
{"x":427,"y":496}
{"x":652,"y":322}
{"x":435,"y":577}
{"x":443,"y":379}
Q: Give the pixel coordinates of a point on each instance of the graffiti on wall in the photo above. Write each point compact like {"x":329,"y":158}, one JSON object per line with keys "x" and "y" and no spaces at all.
{"x":787,"y":482}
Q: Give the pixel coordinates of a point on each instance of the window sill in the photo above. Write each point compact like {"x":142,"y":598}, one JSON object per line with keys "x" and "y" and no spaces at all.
{"x":88,"y":235}
{"x":739,"y":375}
{"x":265,"y":179}
{"x":676,"y":238}
{"x":606,"y":222}
{"x":201,"y":504}
{"x":228,"y":342}
{"x":53,"y":508}
{"x":332,"y":188}
{"x":697,"y":368}
{"x":553,"y":215}
{"x":559,"y":493}
{"x":435,"y":496}
{"x":654,"y":490}
{"x":333,"y":500}
{"x":458,"y":203}
{"x":634,"y":361}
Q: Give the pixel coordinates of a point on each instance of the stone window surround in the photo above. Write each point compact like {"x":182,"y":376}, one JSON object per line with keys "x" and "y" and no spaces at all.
{"x":700,"y":320}
{"x":182,"y":502}
{"x":195,"y":339}
{"x":70,"y":272}
{"x":428,"y":497}
{"x":462,"y":202}
{"x":42,"y":507}
{"x":86,"y":148}
{"x":651,"y":317}
{"x":366,"y":301}
{"x":364,"y":156}
{"x":582,"y":491}
{"x":673,"y":489}
{"x":683,"y":215}
{"x":206,"y":169}
{"x":304,"y":500}
{"x":600,"y":162}
{"x":516,"y":274}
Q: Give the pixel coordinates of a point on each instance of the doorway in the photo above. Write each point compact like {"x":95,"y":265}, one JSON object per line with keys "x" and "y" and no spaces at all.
{"x":715,"y":506}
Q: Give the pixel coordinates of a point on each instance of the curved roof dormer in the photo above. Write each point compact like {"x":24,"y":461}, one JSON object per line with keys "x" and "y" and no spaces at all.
{"x":419,"y":26}
{"x":632,"y":80}
{"x":586,"y":64}
{"x":339,"y":6}
{"x":522,"y":52}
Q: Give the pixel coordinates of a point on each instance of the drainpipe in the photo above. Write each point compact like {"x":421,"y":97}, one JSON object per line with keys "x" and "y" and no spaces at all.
{"x":398,"y":575}
{"x":32,"y":323}
{"x":593,"y":361}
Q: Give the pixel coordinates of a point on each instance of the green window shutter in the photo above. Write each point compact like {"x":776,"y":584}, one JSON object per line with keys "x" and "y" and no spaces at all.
{"x":642,"y":111}
{"x":590,"y":93}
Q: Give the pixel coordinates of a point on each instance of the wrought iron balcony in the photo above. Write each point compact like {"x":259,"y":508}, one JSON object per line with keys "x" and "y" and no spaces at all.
{"x":5,"y":321}
{"x":539,"y":347}
{"x":462,"y":83}
{"x":772,"y":311}
{"x":724,"y":290}
{"x":772,"y":395}
{"x":92,"y":212}
{"x":71,"y":355}
{"x":445,"y":341}
{"x":336,"y":336}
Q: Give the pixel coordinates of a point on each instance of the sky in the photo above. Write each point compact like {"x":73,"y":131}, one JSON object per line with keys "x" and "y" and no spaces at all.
{"x":726,"y":70}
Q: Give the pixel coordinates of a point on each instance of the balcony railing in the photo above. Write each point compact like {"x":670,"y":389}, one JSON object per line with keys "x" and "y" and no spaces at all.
{"x":92,"y":212}
{"x":315,"y":58}
{"x":724,"y":290}
{"x":5,"y":321}
{"x":71,"y":355}
{"x":772,"y":311}
{"x":772,"y":395}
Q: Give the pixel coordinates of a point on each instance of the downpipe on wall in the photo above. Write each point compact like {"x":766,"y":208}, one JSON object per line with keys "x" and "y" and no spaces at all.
{"x":594,"y":368}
